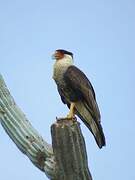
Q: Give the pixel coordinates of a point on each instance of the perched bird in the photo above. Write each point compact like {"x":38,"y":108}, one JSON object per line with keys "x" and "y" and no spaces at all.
{"x":77,"y":92}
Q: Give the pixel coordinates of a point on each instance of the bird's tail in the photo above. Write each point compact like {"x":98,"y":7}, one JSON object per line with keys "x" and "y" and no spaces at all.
{"x":93,"y":125}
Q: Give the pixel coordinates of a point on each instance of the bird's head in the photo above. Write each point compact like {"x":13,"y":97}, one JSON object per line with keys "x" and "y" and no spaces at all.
{"x":61,"y":53}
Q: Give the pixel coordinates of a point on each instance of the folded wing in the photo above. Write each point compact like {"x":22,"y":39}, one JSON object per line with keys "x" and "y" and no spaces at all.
{"x":87,"y":108}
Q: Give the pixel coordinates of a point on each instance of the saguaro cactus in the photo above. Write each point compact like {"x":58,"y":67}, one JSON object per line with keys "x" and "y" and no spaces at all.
{"x":69,"y":150}
{"x":23,"y":134}
{"x":67,"y":160}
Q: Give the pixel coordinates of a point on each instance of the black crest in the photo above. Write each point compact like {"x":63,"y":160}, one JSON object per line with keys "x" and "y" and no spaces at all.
{"x":65,"y":52}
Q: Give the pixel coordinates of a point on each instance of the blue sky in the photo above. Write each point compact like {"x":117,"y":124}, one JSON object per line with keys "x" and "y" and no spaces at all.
{"x":101,"y":34}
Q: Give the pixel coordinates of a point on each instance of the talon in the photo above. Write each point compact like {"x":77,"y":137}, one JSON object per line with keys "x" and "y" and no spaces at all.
{"x":70,"y":116}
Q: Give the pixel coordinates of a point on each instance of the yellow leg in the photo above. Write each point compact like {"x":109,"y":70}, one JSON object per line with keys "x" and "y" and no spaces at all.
{"x":71,"y":113}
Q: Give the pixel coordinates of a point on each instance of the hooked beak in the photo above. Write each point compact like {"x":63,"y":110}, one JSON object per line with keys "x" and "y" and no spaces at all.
{"x":57,"y":55}
{"x":53,"y":56}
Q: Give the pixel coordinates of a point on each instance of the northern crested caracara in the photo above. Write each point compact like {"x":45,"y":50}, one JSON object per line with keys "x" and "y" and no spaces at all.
{"x":77,"y":92}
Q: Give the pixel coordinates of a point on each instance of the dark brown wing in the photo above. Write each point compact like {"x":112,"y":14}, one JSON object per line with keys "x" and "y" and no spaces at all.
{"x":78,"y":81}
{"x":87,"y":109}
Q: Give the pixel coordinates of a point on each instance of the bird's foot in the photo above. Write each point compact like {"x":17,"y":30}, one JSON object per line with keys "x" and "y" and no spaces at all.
{"x":70,"y":116}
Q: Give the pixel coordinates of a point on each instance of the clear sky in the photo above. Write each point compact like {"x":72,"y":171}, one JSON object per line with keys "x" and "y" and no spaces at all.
{"x":101,"y":34}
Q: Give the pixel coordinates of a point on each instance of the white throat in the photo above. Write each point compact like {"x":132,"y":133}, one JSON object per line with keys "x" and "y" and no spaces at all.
{"x":60,"y":66}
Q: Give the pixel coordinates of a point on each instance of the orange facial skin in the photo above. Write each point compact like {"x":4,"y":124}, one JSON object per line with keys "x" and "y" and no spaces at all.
{"x":58,"y":55}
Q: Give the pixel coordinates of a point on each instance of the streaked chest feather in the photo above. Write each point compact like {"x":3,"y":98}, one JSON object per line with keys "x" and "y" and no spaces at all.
{"x":60,"y":68}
